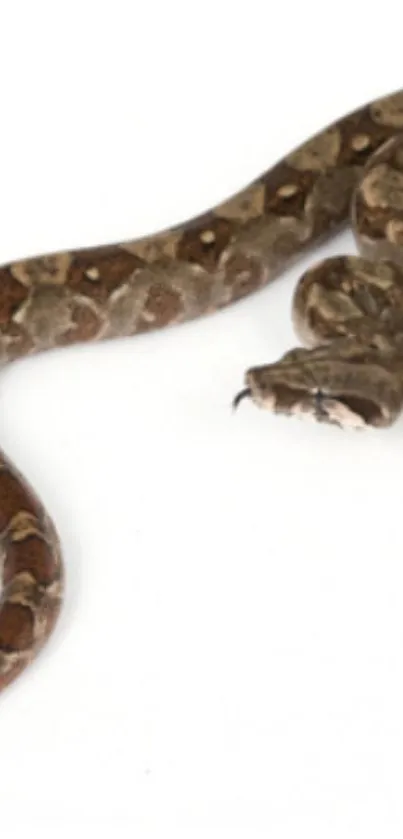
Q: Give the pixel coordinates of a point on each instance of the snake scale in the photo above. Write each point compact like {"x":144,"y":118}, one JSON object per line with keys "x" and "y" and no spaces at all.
{"x":347,"y":310}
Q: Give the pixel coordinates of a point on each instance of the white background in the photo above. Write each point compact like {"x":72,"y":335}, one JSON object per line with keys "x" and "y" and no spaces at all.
{"x":230,"y":657}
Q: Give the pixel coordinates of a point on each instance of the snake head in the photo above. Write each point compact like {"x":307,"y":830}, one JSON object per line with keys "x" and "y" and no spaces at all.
{"x":344,"y":384}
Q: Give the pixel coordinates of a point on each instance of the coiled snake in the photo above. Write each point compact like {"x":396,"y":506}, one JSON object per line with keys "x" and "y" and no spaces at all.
{"x":349,"y":310}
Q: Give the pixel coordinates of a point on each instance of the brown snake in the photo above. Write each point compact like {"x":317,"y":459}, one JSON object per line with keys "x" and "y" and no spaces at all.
{"x":348,"y":309}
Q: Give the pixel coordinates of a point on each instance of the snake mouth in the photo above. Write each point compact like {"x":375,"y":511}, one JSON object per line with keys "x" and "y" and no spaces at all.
{"x":344,"y":410}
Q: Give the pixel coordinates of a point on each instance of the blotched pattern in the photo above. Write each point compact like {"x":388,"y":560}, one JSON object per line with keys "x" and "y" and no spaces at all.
{"x":195,"y":268}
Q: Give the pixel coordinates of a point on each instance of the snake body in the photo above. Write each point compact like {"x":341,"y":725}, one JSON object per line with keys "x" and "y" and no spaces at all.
{"x":349,"y":309}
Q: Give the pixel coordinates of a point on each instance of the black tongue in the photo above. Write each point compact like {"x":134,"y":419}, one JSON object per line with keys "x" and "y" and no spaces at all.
{"x":243,"y":394}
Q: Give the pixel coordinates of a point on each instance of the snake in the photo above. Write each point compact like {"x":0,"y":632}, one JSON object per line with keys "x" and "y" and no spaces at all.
{"x":347,"y":312}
